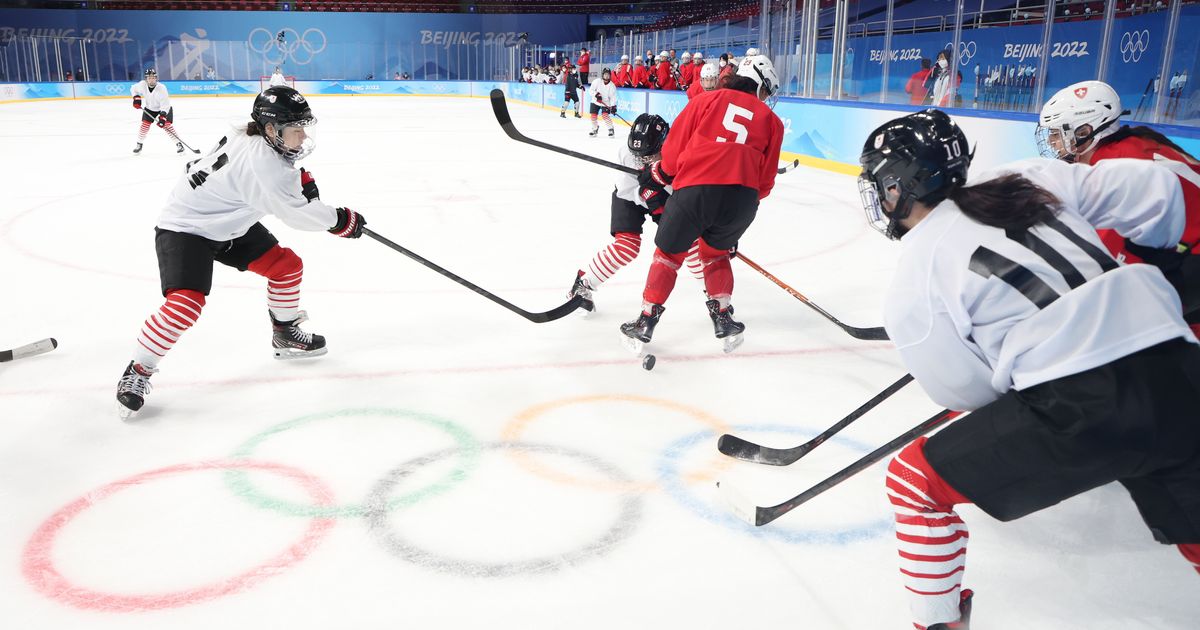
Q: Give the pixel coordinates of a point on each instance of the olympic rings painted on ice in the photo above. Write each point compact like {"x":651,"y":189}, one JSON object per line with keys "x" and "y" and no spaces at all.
{"x":675,"y":487}
{"x":293,"y":46}
{"x":1134,"y":44}
{"x":37,"y":562}
{"x":467,"y":447}
{"x":515,"y":429}
{"x":621,"y":528}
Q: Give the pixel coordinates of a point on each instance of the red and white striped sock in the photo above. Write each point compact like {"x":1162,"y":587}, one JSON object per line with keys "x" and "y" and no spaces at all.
{"x":162,"y":329}
{"x":607,"y":120}
{"x":170,"y":129}
{"x":1192,"y":553}
{"x":608,"y":261}
{"x":693,"y":262}
{"x":284,"y":271}
{"x":143,"y":130}
{"x":932,"y":538}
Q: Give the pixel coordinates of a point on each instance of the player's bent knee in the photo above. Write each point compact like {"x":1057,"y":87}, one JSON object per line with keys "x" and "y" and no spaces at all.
{"x":708,"y":252}
{"x":277,"y":262}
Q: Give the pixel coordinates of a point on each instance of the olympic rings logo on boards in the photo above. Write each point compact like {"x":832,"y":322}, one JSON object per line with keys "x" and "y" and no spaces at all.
{"x":114,"y":88}
{"x":1134,"y":44}
{"x":287,"y":44}
{"x":966,"y":51}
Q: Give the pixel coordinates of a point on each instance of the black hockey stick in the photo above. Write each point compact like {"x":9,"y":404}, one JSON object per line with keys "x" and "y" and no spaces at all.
{"x":788,"y":167}
{"x":759,"y":516}
{"x":500,"y":107}
{"x":537,"y":318}
{"x":868,"y":334}
{"x":738,"y":448}
{"x":186,"y":144}
{"x":29,"y":350}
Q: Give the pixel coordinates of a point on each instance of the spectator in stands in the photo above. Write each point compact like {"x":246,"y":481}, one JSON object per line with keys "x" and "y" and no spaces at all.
{"x":938,"y":82}
{"x":210,"y":73}
{"x":396,"y":76}
{"x":584,"y":63}
{"x":915,"y":88}
{"x":69,"y":77}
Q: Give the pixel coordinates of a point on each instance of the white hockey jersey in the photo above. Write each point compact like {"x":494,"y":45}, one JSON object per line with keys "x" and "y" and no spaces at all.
{"x":241,"y":180}
{"x":627,"y":185}
{"x":604,"y":94}
{"x":277,"y":79}
{"x":156,"y":100}
{"x":976,"y":311}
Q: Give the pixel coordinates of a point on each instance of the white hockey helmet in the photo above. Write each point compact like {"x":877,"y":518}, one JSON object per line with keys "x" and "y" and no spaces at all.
{"x":663,"y":54}
{"x":762,"y":71}
{"x":624,"y":57}
{"x":752,"y":52}
{"x":685,"y":56}
{"x":698,"y":56}
{"x":708,"y":76}
{"x":1091,"y":104}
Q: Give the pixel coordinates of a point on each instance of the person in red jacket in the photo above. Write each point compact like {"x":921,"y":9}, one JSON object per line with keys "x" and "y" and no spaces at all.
{"x":665,"y":74}
{"x":584,"y":64}
{"x":1080,"y":124}
{"x":621,"y":75}
{"x":915,"y":88}
{"x":706,"y":80}
{"x":725,"y":65}
{"x":687,"y":71}
{"x":640,"y":77}
{"x":720,"y":159}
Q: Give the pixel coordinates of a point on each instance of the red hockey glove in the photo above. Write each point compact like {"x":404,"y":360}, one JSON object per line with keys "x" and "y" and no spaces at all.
{"x":308,"y":185}
{"x":137,"y":102}
{"x":655,"y":200}
{"x":162,"y":120}
{"x":350,"y":224}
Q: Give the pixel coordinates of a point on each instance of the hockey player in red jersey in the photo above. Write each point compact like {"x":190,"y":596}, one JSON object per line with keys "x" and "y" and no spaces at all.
{"x":640,"y":76}
{"x":155,"y":102}
{"x":622,"y":74}
{"x":1080,"y":124}
{"x":706,"y":81}
{"x":687,"y":71}
{"x":721,"y":159}
{"x":665,"y":74}
{"x":212,"y":215}
{"x":1005,"y":304}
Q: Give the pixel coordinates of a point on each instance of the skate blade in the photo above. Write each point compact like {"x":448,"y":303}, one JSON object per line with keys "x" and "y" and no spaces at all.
{"x":636,"y":346}
{"x":732,"y":342}
{"x":125,"y":413}
{"x":290,"y":354}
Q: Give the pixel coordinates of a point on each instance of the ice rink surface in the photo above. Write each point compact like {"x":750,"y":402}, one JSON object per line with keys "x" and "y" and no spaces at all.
{"x":449,"y":464}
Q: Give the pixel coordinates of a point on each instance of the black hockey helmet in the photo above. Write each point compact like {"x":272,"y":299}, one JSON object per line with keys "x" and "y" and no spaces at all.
{"x":648,"y":135}
{"x":150,"y":72}
{"x":281,"y":106}
{"x":918,"y":157}
{"x":606,"y":74}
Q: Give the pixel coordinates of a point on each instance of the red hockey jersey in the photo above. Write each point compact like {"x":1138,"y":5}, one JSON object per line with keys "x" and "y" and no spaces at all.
{"x":666,"y":79}
{"x":1125,"y":144}
{"x":641,"y":77}
{"x":687,"y":73}
{"x":724,"y":137}
{"x":695,"y":89}
{"x":620,"y":75}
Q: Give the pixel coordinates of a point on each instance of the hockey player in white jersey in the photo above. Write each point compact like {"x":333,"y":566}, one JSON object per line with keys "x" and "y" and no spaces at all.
{"x":604,"y":102}
{"x":277,"y":78}
{"x":1079,"y":371}
{"x":152,"y":98}
{"x":213,"y":215}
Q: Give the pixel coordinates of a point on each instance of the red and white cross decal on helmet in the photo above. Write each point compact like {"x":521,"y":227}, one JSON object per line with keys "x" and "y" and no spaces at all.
{"x":1080,"y":92}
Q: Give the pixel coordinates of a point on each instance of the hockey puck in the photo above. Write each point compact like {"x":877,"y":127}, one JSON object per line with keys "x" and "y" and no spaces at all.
{"x":648,"y":362}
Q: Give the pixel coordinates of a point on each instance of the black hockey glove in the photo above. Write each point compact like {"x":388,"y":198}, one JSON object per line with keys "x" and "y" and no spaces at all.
{"x":162,"y":120}
{"x":350,"y":224}
{"x":613,"y":110}
{"x":137,"y":102}
{"x":308,"y":185}
{"x":653,"y":177}
{"x":655,"y":200}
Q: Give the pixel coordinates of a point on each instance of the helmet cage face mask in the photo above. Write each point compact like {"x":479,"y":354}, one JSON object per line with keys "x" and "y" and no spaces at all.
{"x":275,"y":140}
{"x":1056,"y":143}
{"x":880,"y":219}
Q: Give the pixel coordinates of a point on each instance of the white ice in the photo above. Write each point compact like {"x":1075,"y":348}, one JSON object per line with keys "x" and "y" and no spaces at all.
{"x":607,"y":516}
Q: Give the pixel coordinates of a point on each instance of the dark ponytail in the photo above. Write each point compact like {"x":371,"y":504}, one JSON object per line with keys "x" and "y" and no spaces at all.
{"x":254,"y":129}
{"x":1010,"y":202}
{"x":733,"y":81}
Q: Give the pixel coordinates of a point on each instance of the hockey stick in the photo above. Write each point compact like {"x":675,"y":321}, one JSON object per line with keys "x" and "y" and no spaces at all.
{"x":500,"y":107}
{"x":537,"y":318}
{"x":29,"y":350}
{"x":759,"y":516}
{"x":788,"y":167}
{"x":738,"y":448}
{"x":187,"y":145}
{"x":868,"y":334}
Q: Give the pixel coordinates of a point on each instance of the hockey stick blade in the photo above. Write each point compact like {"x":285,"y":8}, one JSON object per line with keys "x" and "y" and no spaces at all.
{"x":538,"y":318}
{"x":789,"y":167}
{"x":764,"y":515}
{"x":29,"y":350}
{"x":866,"y":334}
{"x":744,"y":450}
{"x":738,"y":504}
{"x":500,"y":107}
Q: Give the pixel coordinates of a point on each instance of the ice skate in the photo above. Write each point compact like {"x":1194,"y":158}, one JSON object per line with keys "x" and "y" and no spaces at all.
{"x":292,"y":343}
{"x":611,"y":133}
{"x":637,"y":333}
{"x":593,"y":132}
{"x":964,"y":609}
{"x":137,"y":149}
{"x":132,"y":389}
{"x":562,"y":114}
{"x":577,"y":115}
{"x":179,"y":147}
{"x":584,"y":290}
{"x":724,"y":327}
